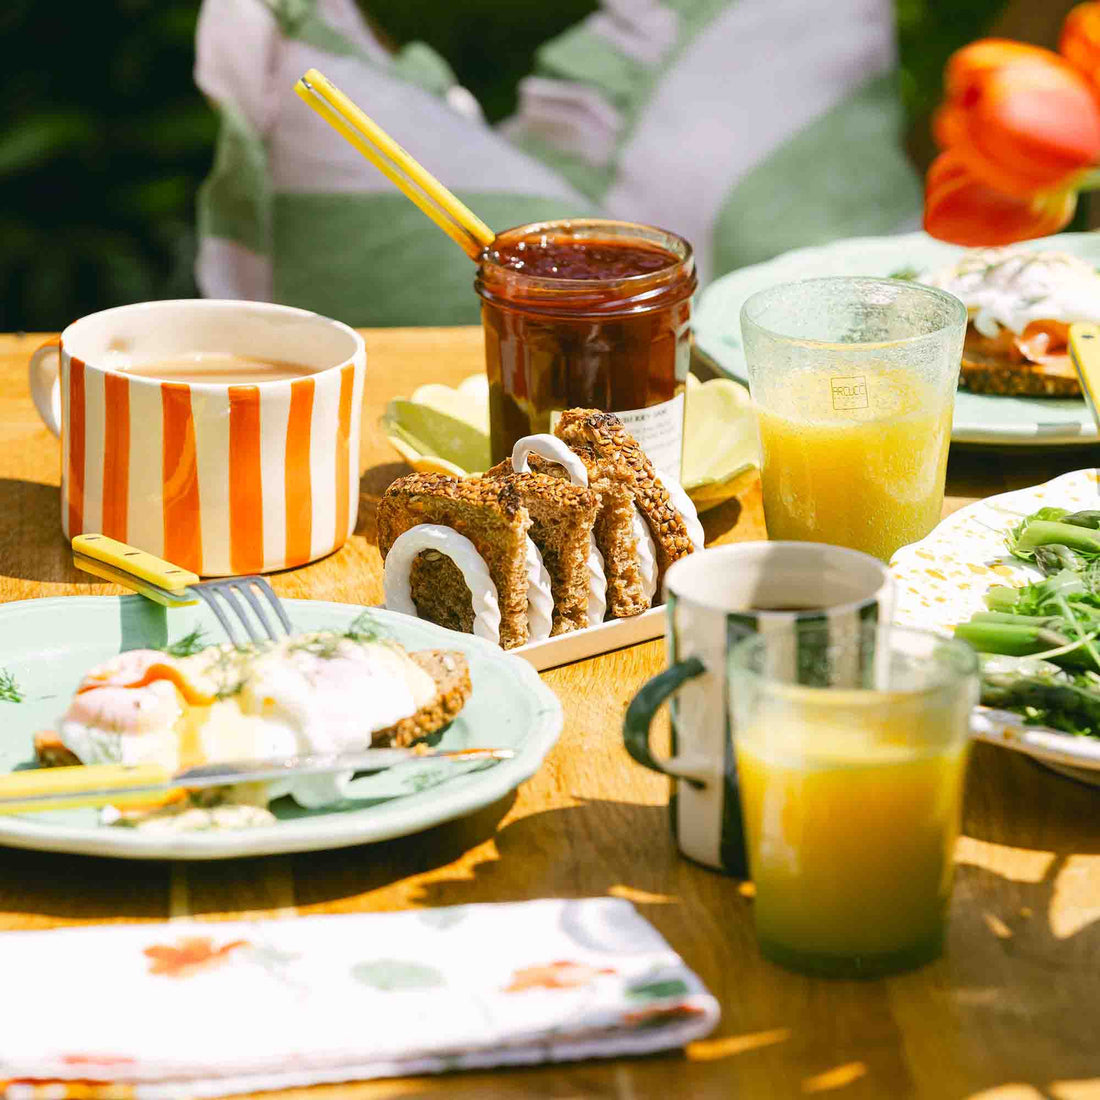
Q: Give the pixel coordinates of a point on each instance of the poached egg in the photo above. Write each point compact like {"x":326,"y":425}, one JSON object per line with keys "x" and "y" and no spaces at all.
{"x":312,"y":693}
{"x":1021,"y":300}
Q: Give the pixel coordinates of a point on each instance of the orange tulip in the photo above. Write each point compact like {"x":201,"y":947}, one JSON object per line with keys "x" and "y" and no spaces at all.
{"x":1080,"y":42}
{"x":1021,"y":119}
{"x":962,"y":209}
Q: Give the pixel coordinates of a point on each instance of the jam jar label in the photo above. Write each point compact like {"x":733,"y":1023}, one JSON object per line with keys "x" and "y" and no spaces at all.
{"x":660,"y":431}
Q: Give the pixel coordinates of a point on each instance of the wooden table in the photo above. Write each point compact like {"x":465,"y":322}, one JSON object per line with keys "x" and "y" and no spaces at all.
{"x":1012,"y":1011}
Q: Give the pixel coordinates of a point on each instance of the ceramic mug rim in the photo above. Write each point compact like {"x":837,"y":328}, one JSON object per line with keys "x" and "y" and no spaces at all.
{"x":357,"y":353}
{"x":762,"y":548}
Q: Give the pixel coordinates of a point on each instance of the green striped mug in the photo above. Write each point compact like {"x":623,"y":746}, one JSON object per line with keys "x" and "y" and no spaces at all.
{"x":713,"y":599}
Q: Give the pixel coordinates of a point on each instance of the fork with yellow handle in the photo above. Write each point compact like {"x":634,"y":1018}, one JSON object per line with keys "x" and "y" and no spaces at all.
{"x":1084,"y":351}
{"x":171,"y":586}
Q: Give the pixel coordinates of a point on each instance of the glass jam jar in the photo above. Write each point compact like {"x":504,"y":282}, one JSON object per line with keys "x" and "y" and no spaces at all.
{"x":588,"y":313}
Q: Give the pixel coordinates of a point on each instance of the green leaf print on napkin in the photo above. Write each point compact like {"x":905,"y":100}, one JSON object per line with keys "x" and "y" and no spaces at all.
{"x":652,"y":991}
{"x":442,"y":919}
{"x":391,"y":974}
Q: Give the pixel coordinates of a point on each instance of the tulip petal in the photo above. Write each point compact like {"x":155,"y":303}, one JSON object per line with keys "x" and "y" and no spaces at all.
{"x":1022,"y":118}
{"x":963,"y":209}
{"x":1080,"y":41}
{"x":987,"y":54}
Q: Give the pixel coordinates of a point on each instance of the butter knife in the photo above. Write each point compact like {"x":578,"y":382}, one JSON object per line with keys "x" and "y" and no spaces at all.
{"x":37,"y":789}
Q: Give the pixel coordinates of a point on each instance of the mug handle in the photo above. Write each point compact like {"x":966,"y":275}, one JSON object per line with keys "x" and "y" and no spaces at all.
{"x":45,"y":388}
{"x":639,"y":717}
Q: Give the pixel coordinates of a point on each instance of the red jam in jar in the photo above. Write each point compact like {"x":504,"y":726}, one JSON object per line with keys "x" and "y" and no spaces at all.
{"x":588,"y":314}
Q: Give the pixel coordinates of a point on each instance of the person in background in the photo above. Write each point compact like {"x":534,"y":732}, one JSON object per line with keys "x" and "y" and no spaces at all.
{"x":748,"y":126}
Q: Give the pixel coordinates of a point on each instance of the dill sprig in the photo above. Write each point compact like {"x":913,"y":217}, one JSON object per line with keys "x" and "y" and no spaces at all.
{"x":9,"y":689}
{"x":188,"y":645}
{"x":324,"y":646}
{"x":229,"y":666}
{"x":363,"y":628}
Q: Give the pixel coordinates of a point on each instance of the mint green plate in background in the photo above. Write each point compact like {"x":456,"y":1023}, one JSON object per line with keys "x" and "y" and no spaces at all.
{"x":49,"y":644}
{"x":979,"y":418}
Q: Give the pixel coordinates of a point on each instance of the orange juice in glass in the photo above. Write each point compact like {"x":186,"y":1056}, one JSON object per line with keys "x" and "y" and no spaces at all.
{"x":851,"y":754}
{"x":854,"y":384}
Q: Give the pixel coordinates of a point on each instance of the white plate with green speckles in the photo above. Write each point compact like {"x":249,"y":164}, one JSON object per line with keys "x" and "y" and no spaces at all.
{"x":979,"y":418}
{"x":47,"y":646}
{"x":940,"y":582}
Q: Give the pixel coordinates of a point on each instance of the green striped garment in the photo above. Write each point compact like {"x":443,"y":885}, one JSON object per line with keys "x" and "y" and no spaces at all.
{"x":748,"y":126}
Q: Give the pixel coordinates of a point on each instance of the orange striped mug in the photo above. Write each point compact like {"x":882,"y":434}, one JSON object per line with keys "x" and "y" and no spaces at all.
{"x":219,"y":478}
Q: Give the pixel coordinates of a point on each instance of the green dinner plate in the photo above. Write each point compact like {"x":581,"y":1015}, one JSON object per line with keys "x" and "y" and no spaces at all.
{"x":48,"y":645}
{"x":979,"y":418}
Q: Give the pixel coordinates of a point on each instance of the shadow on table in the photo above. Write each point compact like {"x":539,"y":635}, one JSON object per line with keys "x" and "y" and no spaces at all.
{"x":583,"y":850}
{"x":328,"y":879}
{"x":79,"y":888}
{"x":595,"y":848}
{"x":31,"y":541}
{"x":60,"y":887}
{"x":1024,"y":932}
{"x":374,"y":481}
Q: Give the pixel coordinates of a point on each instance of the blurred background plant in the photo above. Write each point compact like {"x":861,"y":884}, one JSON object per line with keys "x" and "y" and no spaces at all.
{"x":105,"y":144}
{"x":107,"y":140}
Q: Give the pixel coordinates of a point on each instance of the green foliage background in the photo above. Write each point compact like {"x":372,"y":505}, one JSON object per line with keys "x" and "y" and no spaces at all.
{"x":105,"y":138}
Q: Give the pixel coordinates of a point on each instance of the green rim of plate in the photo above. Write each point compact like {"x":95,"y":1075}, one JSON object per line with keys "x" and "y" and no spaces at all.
{"x":979,"y":418}
{"x":48,"y":644}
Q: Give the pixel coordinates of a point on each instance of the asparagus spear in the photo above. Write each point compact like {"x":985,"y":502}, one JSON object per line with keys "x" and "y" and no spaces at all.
{"x":1052,"y":622}
{"x":1088,"y":518}
{"x":1047,"y":532}
{"x":1057,"y":702}
{"x":1056,"y":557}
{"x":1024,"y":641}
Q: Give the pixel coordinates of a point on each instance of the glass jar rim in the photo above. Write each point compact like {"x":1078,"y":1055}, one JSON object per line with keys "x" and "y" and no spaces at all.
{"x":673,"y":243}
{"x":756,"y":301}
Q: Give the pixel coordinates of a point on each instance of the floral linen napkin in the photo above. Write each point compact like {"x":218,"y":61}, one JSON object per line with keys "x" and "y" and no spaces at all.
{"x":189,"y":1010}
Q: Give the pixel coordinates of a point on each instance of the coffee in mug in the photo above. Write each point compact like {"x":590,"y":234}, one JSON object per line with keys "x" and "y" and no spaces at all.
{"x":249,"y":468}
{"x":216,"y":366}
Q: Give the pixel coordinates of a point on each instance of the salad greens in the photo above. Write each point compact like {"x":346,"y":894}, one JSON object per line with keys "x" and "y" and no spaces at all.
{"x":1041,"y":642}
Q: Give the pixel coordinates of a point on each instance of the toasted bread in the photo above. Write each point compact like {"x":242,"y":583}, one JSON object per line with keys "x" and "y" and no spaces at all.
{"x":1055,"y":377}
{"x":451,"y":673}
{"x":562,"y":517}
{"x":625,"y":463}
{"x":491,"y":514}
{"x":614,"y":528}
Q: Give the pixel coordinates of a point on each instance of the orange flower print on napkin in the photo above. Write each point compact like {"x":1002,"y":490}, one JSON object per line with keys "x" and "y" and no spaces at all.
{"x":555,"y":975}
{"x":68,"y":1089}
{"x":189,"y":956}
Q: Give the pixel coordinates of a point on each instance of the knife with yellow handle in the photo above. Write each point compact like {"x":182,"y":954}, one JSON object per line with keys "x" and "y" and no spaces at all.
{"x":1084,"y":350}
{"x":133,"y":785}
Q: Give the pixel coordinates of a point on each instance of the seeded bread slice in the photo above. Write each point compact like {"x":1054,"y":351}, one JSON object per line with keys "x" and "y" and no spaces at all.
{"x":562,"y":517}
{"x":491,"y":514}
{"x":451,"y":673}
{"x":1057,"y":377}
{"x":448,"y":668}
{"x":613,"y":528}
{"x":627,"y":465}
